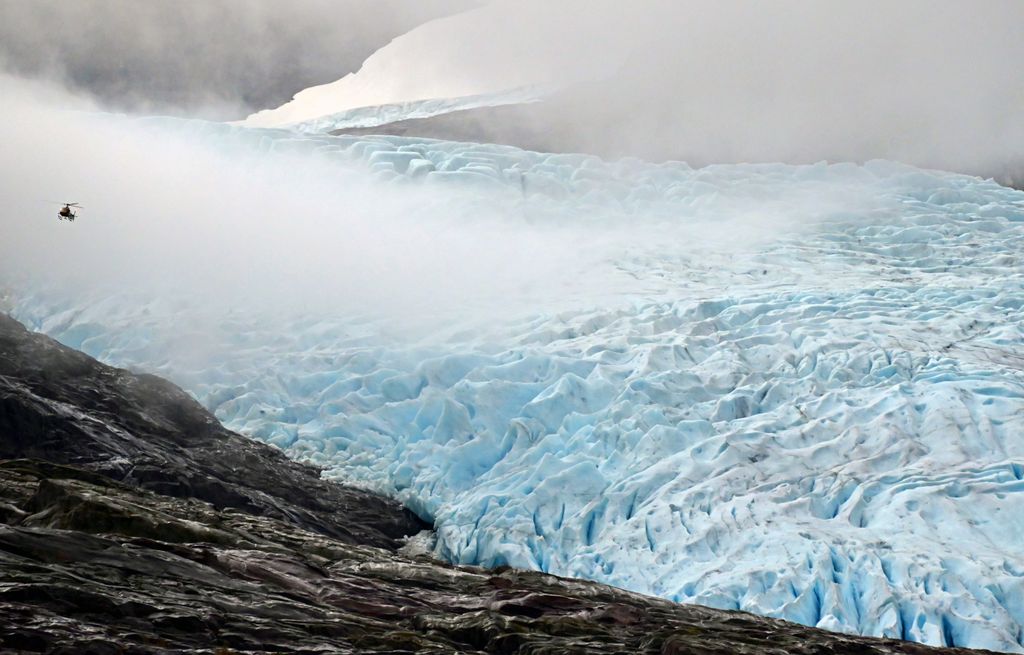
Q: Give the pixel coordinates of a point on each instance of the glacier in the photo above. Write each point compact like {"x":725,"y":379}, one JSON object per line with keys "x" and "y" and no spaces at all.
{"x":820,"y":420}
{"x":376,"y":115}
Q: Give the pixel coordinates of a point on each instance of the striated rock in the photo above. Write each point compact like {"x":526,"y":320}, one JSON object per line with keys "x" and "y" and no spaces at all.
{"x":131,"y":522}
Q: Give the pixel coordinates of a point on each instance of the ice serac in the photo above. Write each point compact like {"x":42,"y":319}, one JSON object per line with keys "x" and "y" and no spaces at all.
{"x":822,"y":422}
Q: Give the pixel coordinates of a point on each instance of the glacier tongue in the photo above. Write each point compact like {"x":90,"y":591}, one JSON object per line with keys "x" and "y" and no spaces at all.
{"x":823,"y":424}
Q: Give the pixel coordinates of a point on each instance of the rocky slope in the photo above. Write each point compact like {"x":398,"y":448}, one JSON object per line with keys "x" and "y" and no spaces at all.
{"x":132,"y":522}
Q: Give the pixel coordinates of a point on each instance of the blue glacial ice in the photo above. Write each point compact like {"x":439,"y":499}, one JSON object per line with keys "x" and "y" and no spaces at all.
{"x":826,"y":425}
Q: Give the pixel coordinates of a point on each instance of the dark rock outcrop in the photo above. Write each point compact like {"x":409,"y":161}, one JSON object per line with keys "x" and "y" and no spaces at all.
{"x":61,"y":406}
{"x":132,"y":522}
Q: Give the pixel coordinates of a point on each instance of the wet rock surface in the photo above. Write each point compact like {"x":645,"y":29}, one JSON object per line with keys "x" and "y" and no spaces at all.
{"x":132,"y":522}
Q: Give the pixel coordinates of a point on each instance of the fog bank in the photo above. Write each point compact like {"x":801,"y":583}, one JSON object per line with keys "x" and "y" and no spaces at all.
{"x":215,"y":217}
{"x":935,"y":83}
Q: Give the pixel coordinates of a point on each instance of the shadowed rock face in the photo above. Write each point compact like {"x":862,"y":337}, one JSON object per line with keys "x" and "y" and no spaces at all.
{"x":132,"y":522}
{"x":62,"y":406}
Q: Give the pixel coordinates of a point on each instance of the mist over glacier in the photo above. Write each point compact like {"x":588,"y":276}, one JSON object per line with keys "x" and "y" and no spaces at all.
{"x":794,"y":388}
{"x":931,"y":83}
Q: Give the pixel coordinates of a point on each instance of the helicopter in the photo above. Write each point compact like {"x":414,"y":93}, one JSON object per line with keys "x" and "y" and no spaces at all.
{"x":66,"y":212}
